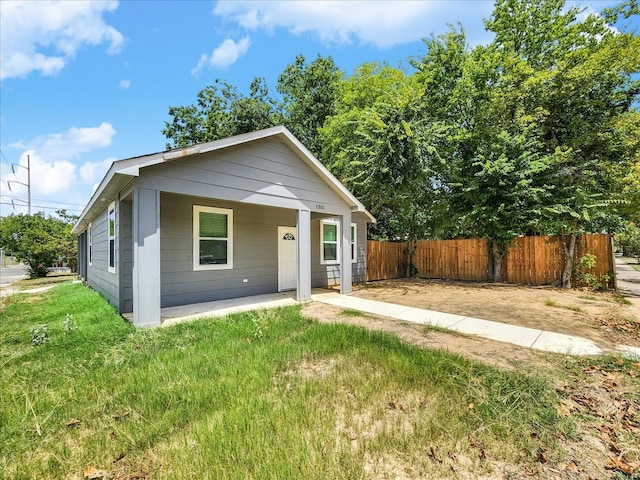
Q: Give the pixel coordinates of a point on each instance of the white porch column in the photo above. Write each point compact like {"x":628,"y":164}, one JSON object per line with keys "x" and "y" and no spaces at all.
{"x":303,"y":243}
{"x":345,"y":254}
{"x":146,"y":257}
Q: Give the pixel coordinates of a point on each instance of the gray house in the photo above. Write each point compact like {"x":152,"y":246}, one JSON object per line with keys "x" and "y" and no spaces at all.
{"x":247,"y":215}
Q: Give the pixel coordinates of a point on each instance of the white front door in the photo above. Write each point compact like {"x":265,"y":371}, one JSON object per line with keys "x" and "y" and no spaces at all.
{"x":287,"y":259}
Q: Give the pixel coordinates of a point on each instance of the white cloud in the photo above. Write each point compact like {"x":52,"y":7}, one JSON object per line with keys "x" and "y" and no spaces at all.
{"x":225,"y":55}
{"x":43,"y":36}
{"x":124,"y":84}
{"x":91,"y":171}
{"x":53,"y":171}
{"x":383,"y":24}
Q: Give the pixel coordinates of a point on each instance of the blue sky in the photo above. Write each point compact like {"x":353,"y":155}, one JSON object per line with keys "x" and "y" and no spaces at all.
{"x":85,"y":83}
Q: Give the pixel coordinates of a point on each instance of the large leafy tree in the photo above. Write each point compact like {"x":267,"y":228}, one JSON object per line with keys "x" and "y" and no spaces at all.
{"x":221,"y":111}
{"x":537,"y":127}
{"x":309,"y":95}
{"x":488,"y":165}
{"x":581,"y":90}
{"x":39,"y":241}
{"x":377,"y":144}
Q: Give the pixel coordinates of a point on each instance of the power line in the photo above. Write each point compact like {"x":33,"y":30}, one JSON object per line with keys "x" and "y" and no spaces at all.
{"x":48,"y":201}
{"x":4,"y":158}
{"x":42,"y":206}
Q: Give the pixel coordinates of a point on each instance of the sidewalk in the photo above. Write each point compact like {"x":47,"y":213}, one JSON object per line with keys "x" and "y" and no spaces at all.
{"x":628,"y":279}
{"x":502,"y":332}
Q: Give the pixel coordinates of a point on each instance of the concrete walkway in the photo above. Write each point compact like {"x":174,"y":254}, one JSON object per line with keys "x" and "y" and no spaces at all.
{"x":501,"y":332}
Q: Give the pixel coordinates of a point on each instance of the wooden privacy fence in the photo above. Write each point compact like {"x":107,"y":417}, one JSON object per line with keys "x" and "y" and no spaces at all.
{"x":530,"y":260}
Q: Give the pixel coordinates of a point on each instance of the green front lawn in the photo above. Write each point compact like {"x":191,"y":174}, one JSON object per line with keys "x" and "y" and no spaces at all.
{"x":258,"y":395}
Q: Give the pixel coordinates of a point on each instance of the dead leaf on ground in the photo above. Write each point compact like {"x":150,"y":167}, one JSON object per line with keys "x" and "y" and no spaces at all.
{"x":531,"y":471}
{"x":572,"y":466}
{"x":93,"y":473}
{"x":432,"y":454}
{"x":616,"y":463}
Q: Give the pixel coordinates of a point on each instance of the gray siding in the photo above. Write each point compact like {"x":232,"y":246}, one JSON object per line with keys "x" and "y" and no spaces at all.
{"x":255,"y":252}
{"x":126,"y":256}
{"x":98,"y":276}
{"x":329,"y":275}
{"x":265,"y":172}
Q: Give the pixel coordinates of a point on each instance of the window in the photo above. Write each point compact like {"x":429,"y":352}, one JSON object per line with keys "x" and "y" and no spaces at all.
{"x":330,"y":242}
{"x":212,"y":238}
{"x":329,"y":235}
{"x":90,"y":243}
{"x":354,"y":241}
{"x":111,"y":232}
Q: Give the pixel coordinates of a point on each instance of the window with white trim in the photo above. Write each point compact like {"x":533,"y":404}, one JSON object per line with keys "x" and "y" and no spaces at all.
{"x":329,"y":242}
{"x":90,"y":244}
{"x":212,"y":238}
{"x":111,"y":233}
{"x":354,"y":242}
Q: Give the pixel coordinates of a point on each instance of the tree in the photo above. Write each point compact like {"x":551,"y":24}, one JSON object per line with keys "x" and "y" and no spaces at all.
{"x":377,"y":146}
{"x":629,"y":240}
{"x":38,"y":241}
{"x":221,"y":112}
{"x":582,"y":87}
{"x":311,"y":93}
{"x":536,"y":128}
{"x":488,"y":161}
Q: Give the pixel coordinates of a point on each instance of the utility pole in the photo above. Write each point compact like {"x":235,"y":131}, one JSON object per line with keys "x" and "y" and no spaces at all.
{"x":29,"y":182}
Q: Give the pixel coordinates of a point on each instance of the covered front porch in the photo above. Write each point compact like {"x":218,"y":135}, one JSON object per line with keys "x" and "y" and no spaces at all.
{"x":168,"y":274}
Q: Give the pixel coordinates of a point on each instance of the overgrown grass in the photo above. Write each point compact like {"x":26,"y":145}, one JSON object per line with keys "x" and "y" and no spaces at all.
{"x":349,"y":312}
{"x":552,"y":303}
{"x":215,"y":399}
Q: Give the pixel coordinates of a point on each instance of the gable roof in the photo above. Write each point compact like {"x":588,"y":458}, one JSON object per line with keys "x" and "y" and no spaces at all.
{"x":122,"y":172}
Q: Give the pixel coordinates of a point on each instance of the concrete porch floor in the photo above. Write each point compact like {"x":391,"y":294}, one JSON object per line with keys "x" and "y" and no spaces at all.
{"x":182,"y":313}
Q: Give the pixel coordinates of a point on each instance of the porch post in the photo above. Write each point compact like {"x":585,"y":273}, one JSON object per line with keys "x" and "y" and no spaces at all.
{"x":303,"y":244}
{"x":146,"y":257}
{"x":345,"y":254}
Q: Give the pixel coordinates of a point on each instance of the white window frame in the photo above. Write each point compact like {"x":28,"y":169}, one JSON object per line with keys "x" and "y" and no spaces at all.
{"x":354,"y":243}
{"x":110,"y":260}
{"x":90,"y":244}
{"x":196,"y":237}
{"x":324,"y":222}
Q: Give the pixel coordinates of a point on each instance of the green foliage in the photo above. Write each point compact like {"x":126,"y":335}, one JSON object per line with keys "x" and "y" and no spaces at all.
{"x":221,"y":112}
{"x":378,"y":145}
{"x":587,"y":279}
{"x":629,"y":240}
{"x":39,"y":335}
{"x":39,"y":241}
{"x":69,"y":324}
{"x":309,"y":95}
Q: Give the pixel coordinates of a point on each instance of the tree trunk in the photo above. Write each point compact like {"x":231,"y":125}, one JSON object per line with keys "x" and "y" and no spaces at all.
{"x":569,"y":251}
{"x":498,"y":257}
{"x":410,"y":251}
